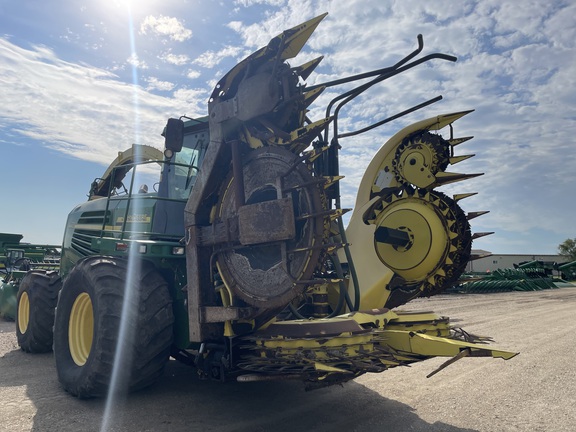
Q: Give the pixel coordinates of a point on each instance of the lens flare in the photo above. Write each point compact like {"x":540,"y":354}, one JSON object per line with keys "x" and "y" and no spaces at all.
{"x":120,"y":378}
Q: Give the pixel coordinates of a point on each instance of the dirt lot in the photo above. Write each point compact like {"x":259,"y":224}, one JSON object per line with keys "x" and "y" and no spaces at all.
{"x":535,"y":391}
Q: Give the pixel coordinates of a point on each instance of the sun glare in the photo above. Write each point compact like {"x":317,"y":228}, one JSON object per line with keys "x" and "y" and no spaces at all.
{"x":118,"y":389}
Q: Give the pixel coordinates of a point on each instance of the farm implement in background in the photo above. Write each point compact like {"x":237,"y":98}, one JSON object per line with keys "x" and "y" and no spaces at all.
{"x":16,"y":259}
{"x":526,"y":276}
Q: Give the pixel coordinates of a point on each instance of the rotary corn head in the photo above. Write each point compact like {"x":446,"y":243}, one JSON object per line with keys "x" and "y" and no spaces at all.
{"x":244,"y":267}
{"x":285,"y":261}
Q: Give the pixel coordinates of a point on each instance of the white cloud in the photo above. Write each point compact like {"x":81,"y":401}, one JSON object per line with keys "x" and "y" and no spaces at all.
{"x":175,"y":59}
{"x":155,"y":84}
{"x":210,"y":59}
{"x":165,"y":26}
{"x":135,"y":61}
{"x":192,"y":74}
{"x":194,"y":99}
{"x":76,"y":108}
{"x":247,"y":3}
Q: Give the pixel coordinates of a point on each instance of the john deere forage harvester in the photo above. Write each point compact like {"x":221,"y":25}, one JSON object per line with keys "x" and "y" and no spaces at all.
{"x":237,"y":261}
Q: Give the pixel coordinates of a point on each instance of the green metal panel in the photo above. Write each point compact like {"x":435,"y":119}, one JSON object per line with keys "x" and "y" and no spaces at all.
{"x":8,"y":292}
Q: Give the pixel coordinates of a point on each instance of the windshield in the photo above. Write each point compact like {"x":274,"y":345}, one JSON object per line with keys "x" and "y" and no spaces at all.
{"x":182,"y":173}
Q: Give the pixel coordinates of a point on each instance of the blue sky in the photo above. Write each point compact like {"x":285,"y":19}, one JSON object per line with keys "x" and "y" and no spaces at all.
{"x":83,"y":79}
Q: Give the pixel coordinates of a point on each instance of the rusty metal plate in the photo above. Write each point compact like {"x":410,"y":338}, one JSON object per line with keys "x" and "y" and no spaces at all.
{"x":266,"y":222}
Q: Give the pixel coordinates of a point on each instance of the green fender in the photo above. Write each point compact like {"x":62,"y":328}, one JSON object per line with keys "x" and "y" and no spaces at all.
{"x":8,"y":292}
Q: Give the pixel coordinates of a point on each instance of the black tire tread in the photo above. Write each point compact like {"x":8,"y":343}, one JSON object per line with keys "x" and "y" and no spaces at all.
{"x":152,"y":327}
{"x":42,"y":287}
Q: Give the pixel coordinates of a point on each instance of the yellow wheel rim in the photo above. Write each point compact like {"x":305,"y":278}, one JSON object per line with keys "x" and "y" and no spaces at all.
{"x":23,"y":313}
{"x":429,"y":245}
{"x":81,"y":329}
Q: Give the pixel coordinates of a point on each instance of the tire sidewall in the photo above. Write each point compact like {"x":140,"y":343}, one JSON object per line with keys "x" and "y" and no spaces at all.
{"x":41,"y":288}
{"x":26,"y":286}
{"x":75,"y":378}
{"x":146,"y":322}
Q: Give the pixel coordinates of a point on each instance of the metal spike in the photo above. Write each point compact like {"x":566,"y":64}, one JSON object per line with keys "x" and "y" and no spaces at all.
{"x":455,"y":159}
{"x":472,"y":215}
{"x":339,"y":212}
{"x":282,"y":47}
{"x":310,"y":96}
{"x":437,"y":123}
{"x":325,"y":213}
{"x":296,"y":37}
{"x":455,"y":141}
{"x":309,"y":132}
{"x":303,"y":135}
{"x":464,"y":353}
{"x":458,"y":197}
{"x":475,"y":257}
{"x":330,"y":180}
{"x":443,"y":178}
{"x":307,"y":68}
{"x":316,"y":181}
{"x":329,"y":248}
{"x":444,"y":210}
{"x":481,"y":234}
{"x":314,"y":154}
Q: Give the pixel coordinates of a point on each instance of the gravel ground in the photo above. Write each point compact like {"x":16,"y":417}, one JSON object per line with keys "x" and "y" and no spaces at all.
{"x":535,"y":391}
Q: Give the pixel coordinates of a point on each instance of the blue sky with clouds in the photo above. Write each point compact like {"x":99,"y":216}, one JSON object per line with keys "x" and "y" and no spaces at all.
{"x":82,"y":80}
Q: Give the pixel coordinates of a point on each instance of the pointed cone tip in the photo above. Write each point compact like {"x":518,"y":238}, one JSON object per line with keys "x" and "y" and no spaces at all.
{"x":459,"y":197}
{"x":307,"y":68}
{"x":455,"y":159}
{"x":456,"y":141}
{"x":311,"y":95}
{"x":444,"y":120}
{"x":481,"y":234}
{"x":443,"y":178}
{"x":472,"y":215}
{"x":475,"y":257}
{"x":298,"y":35}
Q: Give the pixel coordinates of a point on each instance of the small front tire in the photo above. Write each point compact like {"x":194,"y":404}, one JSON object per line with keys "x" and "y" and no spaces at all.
{"x":36,"y":301}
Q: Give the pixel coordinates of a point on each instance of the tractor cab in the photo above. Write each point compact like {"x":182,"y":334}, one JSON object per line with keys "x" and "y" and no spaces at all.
{"x":15,"y":259}
{"x":146,"y":170}
{"x":141,"y":196}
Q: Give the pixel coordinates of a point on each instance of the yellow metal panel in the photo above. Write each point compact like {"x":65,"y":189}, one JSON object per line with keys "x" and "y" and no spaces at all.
{"x":432,"y":346}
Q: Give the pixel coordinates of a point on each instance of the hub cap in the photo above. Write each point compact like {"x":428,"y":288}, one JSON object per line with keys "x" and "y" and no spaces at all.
{"x":81,"y":329}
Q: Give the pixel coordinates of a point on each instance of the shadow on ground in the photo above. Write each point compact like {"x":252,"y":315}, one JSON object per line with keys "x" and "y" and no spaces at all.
{"x":181,"y":402}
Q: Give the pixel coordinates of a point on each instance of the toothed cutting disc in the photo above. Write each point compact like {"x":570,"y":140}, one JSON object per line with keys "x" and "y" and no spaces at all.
{"x":270,"y":274}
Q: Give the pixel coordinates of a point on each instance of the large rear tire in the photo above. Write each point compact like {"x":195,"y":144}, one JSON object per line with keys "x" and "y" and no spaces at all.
{"x":91,"y":317}
{"x":36,"y":301}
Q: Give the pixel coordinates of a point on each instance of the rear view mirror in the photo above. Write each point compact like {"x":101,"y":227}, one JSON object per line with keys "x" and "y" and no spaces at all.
{"x":174,"y":135}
